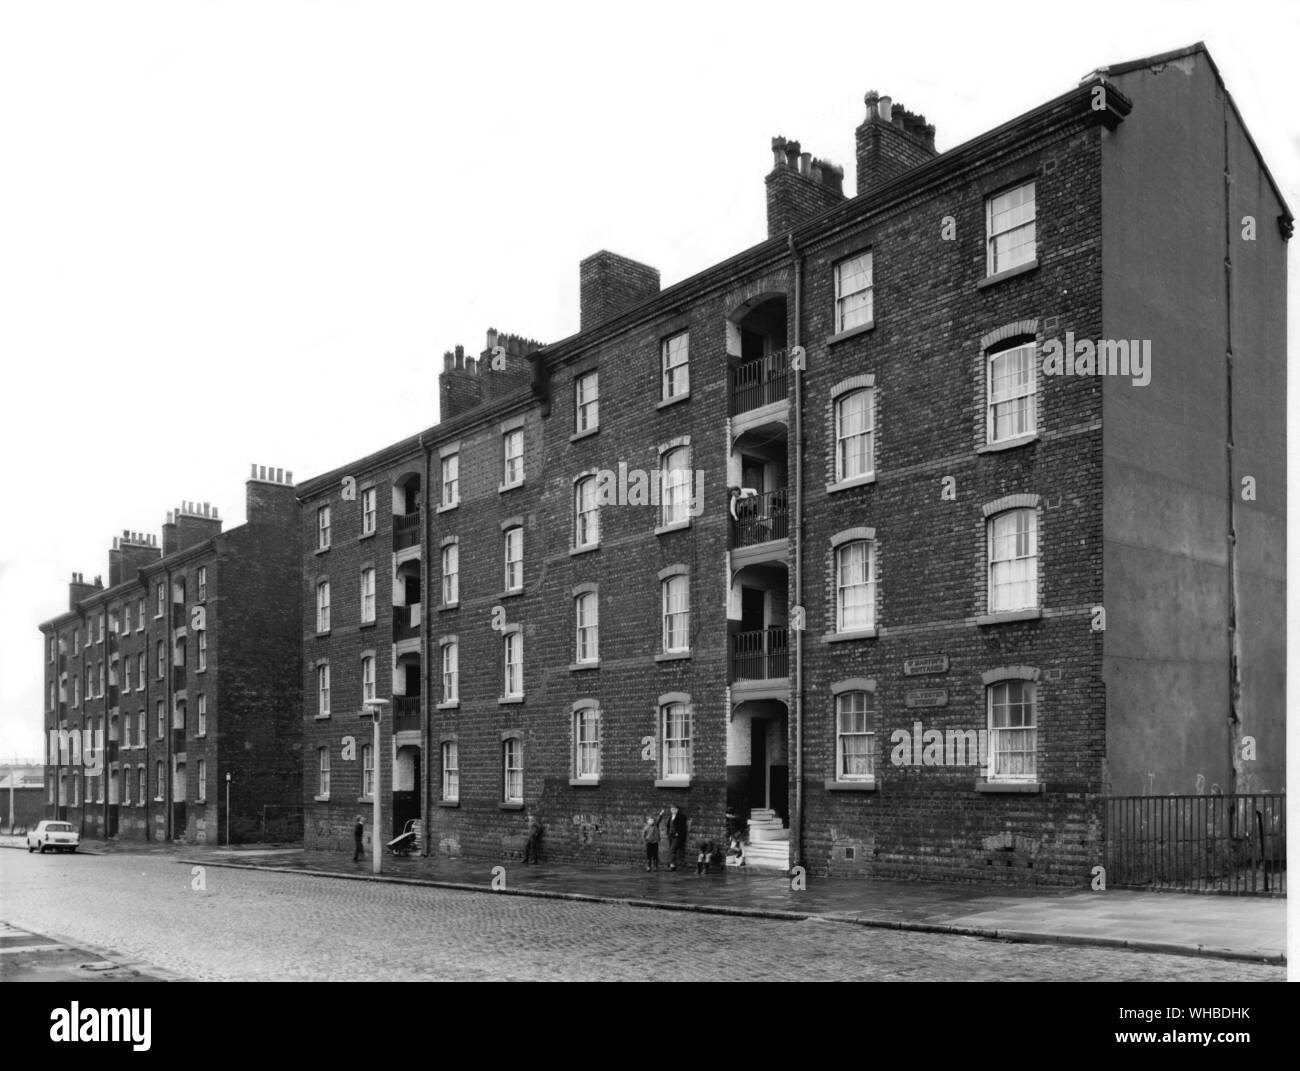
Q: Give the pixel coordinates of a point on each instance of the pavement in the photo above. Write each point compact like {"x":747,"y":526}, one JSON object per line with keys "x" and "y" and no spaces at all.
{"x":1245,"y":928}
{"x":1226,"y":927}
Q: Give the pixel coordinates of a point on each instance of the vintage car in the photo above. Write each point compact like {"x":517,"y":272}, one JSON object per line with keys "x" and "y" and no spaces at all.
{"x":57,"y":836}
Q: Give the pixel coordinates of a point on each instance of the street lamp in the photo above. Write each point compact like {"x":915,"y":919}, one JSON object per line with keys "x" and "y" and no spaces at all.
{"x":374,"y":709}
{"x":227,"y":809}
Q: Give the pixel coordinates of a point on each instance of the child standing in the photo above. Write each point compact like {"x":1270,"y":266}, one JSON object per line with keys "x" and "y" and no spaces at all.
{"x":650,"y":834}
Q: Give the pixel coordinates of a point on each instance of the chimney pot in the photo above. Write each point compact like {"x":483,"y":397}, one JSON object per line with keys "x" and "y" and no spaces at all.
{"x":884,"y":109}
{"x":491,"y":338}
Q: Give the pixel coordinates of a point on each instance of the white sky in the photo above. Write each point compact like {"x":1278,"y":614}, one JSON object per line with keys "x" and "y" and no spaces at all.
{"x":246,"y":232}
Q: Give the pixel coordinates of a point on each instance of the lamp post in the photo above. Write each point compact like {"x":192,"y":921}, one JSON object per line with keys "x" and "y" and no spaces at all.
{"x":227,"y":808}
{"x":374,"y":709}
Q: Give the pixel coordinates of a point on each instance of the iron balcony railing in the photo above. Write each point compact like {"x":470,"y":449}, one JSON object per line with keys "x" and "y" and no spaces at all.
{"x":761,"y":655}
{"x":406,"y":712}
{"x":1229,"y":844}
{"x":406,"y":621}
{"x":758,"y":382}
{"x":761,"y":519}
{"x":406,"y":530}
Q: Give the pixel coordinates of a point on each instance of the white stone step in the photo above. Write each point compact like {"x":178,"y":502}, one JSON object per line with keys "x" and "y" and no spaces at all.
{"x":770,"y":856}
{"x":763,"y":834}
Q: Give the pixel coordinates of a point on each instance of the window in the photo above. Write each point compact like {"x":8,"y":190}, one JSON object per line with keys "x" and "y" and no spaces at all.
{"x":1013,"y":560}
{"x":139,"y":672}
{"x":677,"y":613}
{"x":322,"y":773}
{"x":513,"y":449}
{"x":142,"y":786}
{"x":450,"y":671}
{"x":100,"y":623}
{"x":202,"y":583}
{"x":450,"y":771}
{"x":586,"y":513}
{"x":367,"y":678}
{"x":855,"y":586}
{"x":323,"y":606}
{"x":203,"y":651}
{"x":126,"y":786}
{"x":1012,"y":389}
{"x":451,"y":480}
{"x":450,"y":574}
{"x":161,"y":651}
{"x":1013,"y":732}
{"x":99,"y":679}
{"x":367,"y":770}
{"x":513,"y":646}
{"x":514,"y":555}
{"x":855,"y":423}
{"x":160,"y":601}
{"x":676,"y":353}
{"x":323,"y":691}
{"x":201,"y":792}
{"x":90,"y":683}
{"x":676,"y":736}
{"x":203,"y":715}
{"x":76,"y":690}
{"x":586,"y":743}
{"x":126,"y":626}
{"x":367,"y":596}
{"x":51,"y":646}
{"x":161,"y":711}
{"x":586,"y":611}
{"x":139,"y":616}
{"x":126,"y":673}
{"x":368,"y":498}
{"x":586,"y":401}
{"x":855,"y":737}
{"x":160,"y":781}
{"x":76,"y":641}
{"x":512,"y":762}
{"x":323,"y":528}
{"x":1011,"y":217}
{"x":853,"y":292}
{"x":141,"y":729}
{"x":675,"y":485}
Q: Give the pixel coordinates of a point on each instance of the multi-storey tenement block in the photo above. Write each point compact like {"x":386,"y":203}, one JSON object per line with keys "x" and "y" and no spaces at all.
{"x":912,"y":533}
{"x":180,"y":679}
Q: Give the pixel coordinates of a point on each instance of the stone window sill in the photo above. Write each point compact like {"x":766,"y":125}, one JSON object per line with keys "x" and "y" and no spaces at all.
{"x":1024,"y":788}
{"x":510,"y":594}
{"x":584,"y":434}
{"x":1031,"y":614}
{"x":673,"y":400}
{"x":676,"y":526}
{"x":447,"y":507}
{"x":672,"y":656}
{"x":511,"y":805}
{"x":1010,"y":273}
{"x":318,"y":552}
{"x":449,"y":606}
{"x":450,"y":704}
{"x":502,"y":488}
{"x":851,"y":786}
{"x":575,"y":667}
{"x":1007,"y":444}
{"x":584,"y":782}
{"x":584,"y":550}
{"x":853,"y":481}
{"x":507,"y":699}
{"x":365,"y":535}
{"x":322,"y":717}
{"x":672,"y":782}
{"x":449,"y":803}
{"x":841,"y":637}
{"x":852,"y":332}
{"x":322,"y":799}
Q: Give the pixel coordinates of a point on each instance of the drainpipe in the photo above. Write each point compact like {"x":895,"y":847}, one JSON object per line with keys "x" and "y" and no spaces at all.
{"x":1234,"y":638}
{"x":796,"y":825}
{"x":169,"y":680}
{"x":426,"y":667}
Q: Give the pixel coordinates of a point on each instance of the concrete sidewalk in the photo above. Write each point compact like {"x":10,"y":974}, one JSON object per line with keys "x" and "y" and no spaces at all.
{"x":1227,"y":927}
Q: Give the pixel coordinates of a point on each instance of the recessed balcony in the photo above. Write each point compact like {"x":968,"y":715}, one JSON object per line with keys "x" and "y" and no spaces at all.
{"x":758,"y":382}
{"x":406,"y":713}
{"x":406,"y":530}
{"x":406,"y":621}
{"x":761,"y":655}
{"x":761,"y":519}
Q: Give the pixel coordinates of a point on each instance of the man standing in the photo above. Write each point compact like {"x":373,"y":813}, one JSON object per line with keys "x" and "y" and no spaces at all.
{"x":358,"y":831}
{"x":533,"y":845}
{"x":676,"y":836}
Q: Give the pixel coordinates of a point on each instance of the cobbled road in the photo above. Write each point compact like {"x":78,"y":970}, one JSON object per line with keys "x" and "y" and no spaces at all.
{"x":246,"y":925}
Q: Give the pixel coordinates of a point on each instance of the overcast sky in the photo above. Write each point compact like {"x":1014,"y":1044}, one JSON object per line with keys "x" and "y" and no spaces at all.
{"x":246,"y":232}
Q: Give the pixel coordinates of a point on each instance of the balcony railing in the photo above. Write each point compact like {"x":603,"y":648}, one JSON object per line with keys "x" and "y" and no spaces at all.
{"x":178,"y":741}
{"x":406,"y":530}
{"x":758,"y":382}
{"x":762,"y":655}
{"x":761,"y":519}
{"x":406,"y":621}
{"x":406,"y":712}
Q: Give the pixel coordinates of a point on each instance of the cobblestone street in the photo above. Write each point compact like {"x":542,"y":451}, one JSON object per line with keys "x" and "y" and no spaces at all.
{"x":246,"y":925}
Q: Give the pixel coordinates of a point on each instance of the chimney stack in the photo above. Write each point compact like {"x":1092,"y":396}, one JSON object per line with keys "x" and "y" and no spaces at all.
{"x":78,"y":589}
{"x":269,"y":497}
{"x":195,"y":522}
{"x":609,"y":284}
{"x":799,"y":186}
{"x":891,"y":140}
{"x":131,"y":552}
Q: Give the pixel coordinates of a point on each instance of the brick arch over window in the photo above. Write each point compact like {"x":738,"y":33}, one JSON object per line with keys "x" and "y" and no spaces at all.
{"x":1010,"y":673}
{"x":850,"y":534}
{"x":1006,"y":502}
{"x":1015,"y":329}
{"x":853,"y":684}
{"x":867,"y":379}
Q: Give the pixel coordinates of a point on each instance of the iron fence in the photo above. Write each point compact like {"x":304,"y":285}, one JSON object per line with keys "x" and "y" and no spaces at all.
{"x":1231,"y":844}
{"x":758,"y":382}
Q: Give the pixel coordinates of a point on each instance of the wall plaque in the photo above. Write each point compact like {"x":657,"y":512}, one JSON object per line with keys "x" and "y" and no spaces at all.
{"x":917,"y":667}
{"x":927,"y":697}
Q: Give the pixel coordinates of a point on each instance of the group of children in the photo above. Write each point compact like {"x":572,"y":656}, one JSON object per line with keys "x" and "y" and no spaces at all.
{"x":709,"y":852}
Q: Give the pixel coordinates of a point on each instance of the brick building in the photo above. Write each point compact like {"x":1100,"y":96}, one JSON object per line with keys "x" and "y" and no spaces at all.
{"x":180,"y":674}
{"x":914,"y":532}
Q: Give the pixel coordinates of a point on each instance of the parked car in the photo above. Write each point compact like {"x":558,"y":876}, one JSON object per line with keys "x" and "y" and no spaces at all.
{"x":57,"y":836}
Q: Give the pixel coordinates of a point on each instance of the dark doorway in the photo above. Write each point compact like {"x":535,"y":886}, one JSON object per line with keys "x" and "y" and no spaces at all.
{"x":757,"y":763}
{"x":406,"y":801}
{"x":751,"y":609}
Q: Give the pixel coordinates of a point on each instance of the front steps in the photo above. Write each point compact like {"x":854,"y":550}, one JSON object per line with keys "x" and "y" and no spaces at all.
{"x":769,"y":841}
